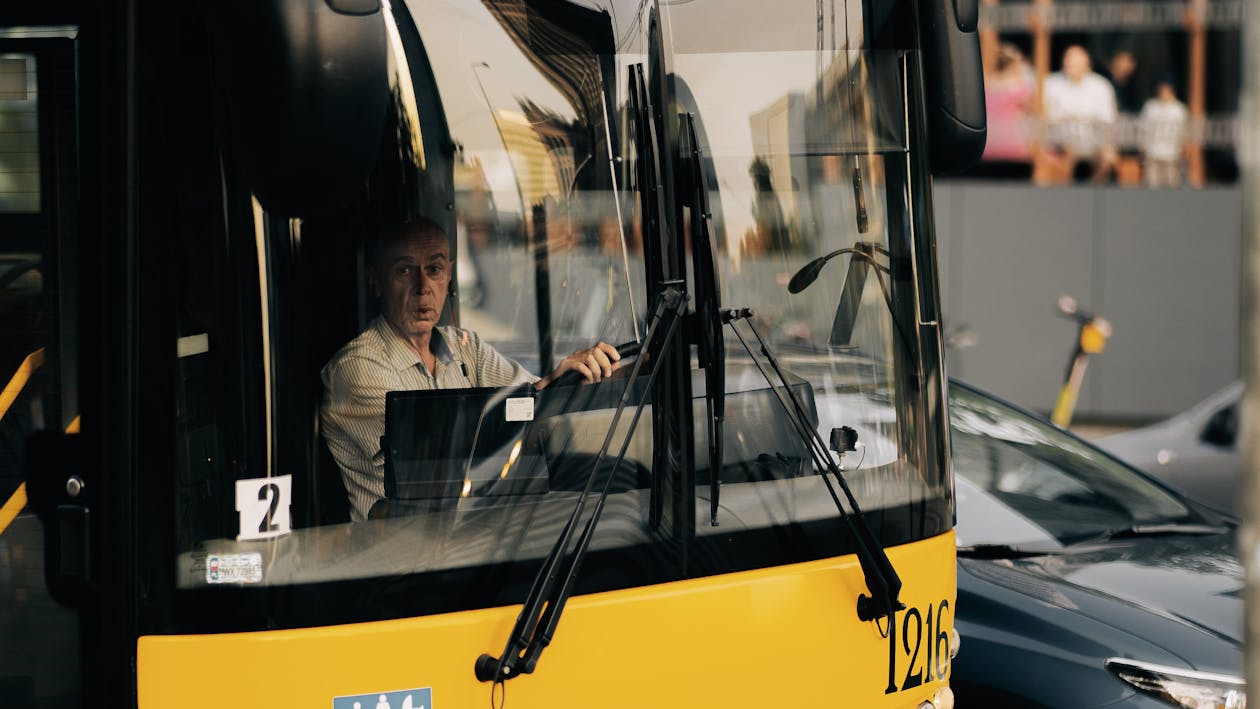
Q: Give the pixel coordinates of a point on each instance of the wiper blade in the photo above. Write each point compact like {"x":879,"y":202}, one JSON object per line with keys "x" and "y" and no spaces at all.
{"x":881,"y":578}
{"x":1171,"y":529}
{"x":708,"y":292}
{"x":1002,"y":551}
{"x":536,"y":624}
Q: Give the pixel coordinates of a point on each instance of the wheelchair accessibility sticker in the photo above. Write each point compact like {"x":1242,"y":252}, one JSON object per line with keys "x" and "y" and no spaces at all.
{"x":402,"y":699}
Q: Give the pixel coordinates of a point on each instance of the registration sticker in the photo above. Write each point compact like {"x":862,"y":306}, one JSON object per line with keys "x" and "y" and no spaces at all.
{"x":403,"y":699}
{"x":234,"y":568}
{"x":519,"y":408}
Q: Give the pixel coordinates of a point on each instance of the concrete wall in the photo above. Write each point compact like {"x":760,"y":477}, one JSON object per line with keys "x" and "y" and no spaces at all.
{"x":1163,"y":266}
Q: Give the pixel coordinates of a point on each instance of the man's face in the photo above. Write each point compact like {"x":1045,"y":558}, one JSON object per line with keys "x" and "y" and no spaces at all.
{"x":1122,"y":66}
{"x":412,"y":276}
{"x":1076,"y":63}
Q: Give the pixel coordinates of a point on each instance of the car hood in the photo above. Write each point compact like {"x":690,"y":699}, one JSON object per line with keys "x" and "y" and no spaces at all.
{"x":1165,"y":598}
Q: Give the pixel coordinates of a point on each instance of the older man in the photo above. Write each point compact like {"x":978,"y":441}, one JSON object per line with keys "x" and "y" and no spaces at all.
{"x":405,"y":349}
{"x":1080,"y":108}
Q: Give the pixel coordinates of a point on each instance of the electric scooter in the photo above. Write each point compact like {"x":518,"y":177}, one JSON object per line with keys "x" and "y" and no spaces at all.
{"x":1092,"y":333}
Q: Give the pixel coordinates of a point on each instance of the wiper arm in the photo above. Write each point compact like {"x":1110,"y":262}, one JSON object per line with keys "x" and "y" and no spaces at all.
{"x":551,"y":589}
{"x":1168,"y":529}
{"x":881,"y":578}
{"x":708,"y":292}
{"x":1002,"y":551}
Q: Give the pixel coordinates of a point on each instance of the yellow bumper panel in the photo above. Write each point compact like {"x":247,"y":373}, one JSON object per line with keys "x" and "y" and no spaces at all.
{"x":781,"y":637}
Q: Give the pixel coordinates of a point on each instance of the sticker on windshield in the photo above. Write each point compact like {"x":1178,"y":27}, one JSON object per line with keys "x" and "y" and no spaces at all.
{"x":263,"y":505}
{"x":234,"y":568}
{"x":402,"y":699}
{"x":192,"y":345}
{"x":519,"y":408}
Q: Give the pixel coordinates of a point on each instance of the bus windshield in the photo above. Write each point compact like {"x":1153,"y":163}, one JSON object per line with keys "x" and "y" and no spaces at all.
{"x":367,"y":392}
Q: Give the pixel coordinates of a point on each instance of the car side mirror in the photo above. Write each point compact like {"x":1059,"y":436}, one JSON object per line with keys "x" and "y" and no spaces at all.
{"x":1222,"y":429}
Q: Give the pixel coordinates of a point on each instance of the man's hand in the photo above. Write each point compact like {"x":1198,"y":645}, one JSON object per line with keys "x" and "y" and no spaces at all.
{"x":594,"y":364}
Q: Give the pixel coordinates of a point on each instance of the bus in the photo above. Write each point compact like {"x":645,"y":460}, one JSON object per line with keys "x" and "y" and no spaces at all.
{"x":755,"y":507}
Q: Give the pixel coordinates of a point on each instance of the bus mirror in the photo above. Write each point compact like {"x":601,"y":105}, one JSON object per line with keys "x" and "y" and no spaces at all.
{"x":968,"y":14}
{"x":304,"y":86}
{"x":355,"y":7}
{"x":954,"y":83}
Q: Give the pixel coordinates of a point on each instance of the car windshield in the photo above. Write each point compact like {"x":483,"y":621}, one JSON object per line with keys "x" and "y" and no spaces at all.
{"x":1024,"y":482}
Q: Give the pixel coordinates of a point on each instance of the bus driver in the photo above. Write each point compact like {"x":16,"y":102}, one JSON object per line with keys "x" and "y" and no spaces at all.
{"x":405,"y":349}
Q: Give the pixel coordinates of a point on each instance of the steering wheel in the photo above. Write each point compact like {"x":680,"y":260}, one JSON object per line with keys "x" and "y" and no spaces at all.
{"x":628,"y":352}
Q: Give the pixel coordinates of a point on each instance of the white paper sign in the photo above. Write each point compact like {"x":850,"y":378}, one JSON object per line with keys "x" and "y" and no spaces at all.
{"x":263,"y":504}
{"x":519,"y":408}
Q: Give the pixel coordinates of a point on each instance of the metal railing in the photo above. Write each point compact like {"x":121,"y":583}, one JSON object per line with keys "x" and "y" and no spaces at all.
{"x":1111,"y":16}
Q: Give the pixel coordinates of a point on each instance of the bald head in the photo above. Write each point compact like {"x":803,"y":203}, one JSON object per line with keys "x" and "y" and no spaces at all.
{"x":390,"y":236}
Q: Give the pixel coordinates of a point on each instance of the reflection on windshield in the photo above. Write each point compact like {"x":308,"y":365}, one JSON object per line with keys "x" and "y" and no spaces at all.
{"x":1030,"y":483}
{"x":525,"y":150}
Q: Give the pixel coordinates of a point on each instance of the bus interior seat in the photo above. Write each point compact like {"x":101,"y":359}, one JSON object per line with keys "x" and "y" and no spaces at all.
{"x":201,"y":456}
{"x":334,"y":308}
{"x":332,"y":503}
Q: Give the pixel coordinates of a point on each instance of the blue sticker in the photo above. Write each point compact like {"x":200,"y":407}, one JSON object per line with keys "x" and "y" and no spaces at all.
{"x":402,"y":699}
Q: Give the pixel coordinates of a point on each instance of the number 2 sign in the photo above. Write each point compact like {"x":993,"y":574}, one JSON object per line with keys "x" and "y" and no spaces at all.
{"x":263,"y":505}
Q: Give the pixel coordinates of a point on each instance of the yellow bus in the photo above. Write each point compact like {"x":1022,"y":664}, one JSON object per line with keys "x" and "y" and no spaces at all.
{"x":241,"y":466}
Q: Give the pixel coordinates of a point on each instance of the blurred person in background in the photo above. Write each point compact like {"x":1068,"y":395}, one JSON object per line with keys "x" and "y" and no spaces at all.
{"x":1130,"y":97}
{"x":1164,"y":121}
{"x":1009,"y":92}
{"x":1080,"y":112}
{"x":1122,"y":70}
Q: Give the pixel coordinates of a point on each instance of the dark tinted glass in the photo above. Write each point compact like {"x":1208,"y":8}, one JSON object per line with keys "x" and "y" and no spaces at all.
{"x":1031,"y":482}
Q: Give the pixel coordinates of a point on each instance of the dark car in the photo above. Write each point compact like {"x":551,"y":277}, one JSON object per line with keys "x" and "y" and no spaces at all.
{"x":1081,"y":581}
{"x":1195,"y":451}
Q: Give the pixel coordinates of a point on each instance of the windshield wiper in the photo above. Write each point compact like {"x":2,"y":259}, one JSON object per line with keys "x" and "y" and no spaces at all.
{"x":881,"y":578}
{"x":1166,"y":529}
{"x":553,"y":585}
{"x":708,"y":294}
{"x":1002,"y":551}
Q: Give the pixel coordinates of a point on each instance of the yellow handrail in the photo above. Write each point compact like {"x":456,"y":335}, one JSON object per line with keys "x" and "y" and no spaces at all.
{"x":33,"y":361}
{"x":10,"y":511}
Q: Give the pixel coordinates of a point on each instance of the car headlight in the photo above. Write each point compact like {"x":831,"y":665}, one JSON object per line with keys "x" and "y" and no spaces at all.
{"x":1182,"y":688}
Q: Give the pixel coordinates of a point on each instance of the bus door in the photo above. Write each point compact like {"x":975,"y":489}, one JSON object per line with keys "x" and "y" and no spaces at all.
{"x":39,"y":264}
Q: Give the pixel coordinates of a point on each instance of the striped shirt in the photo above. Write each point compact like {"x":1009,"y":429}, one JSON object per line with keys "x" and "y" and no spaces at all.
{"x":378,"y":361}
